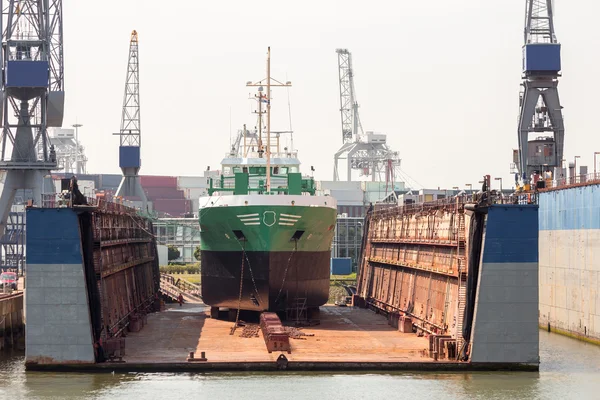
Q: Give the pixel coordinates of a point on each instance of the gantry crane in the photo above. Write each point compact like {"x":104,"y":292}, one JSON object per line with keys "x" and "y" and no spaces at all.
{"x":540,"y":109}
{"x":32,"y":96}
{"x":367,"y":153}
{"x":131,"y":134}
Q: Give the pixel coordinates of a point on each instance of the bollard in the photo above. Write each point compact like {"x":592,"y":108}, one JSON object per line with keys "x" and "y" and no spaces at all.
{"x":191,"y":357}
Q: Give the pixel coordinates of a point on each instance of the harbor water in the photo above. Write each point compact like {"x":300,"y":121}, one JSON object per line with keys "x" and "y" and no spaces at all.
{"x":569,"y":370}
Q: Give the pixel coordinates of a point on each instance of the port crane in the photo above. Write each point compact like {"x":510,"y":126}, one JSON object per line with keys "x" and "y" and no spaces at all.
{"x":32,"y":97}
{"x":540,"y":109}
{"x":130,"y":135}
{"x":368,"y":153}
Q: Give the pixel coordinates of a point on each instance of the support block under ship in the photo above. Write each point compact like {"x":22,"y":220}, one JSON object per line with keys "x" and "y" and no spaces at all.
{"x":264,"y":250}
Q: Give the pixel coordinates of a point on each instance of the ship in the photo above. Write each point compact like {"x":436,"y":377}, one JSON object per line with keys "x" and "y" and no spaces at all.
{"x":265,"y":234}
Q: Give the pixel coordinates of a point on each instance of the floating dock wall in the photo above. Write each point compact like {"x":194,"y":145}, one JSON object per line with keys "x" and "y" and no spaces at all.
{"x":569,"y":253}
{"x":92,"y":274}
{"x":460,"y":271}
{"x":505,"y":328}
{"x":410,"y":262}
{"x":59,"y":326}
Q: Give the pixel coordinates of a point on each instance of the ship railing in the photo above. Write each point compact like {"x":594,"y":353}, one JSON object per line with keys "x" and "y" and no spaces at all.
{"x":256,"y":154}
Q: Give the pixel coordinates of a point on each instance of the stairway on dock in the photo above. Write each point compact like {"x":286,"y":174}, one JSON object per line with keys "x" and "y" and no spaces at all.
{"x":172,"y":287}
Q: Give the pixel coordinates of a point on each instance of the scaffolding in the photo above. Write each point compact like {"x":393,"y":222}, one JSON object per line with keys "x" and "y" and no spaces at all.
{"x":13,"y":241}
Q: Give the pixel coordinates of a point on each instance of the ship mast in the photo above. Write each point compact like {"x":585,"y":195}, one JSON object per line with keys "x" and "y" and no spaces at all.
{"x":269,"y":120}
{"x":268,"y":98}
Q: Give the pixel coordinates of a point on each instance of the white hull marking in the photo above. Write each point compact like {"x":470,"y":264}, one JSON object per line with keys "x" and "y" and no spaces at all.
{"x":290,"y":215}
{"x":248,"y":215}
{"x":272,"y":218}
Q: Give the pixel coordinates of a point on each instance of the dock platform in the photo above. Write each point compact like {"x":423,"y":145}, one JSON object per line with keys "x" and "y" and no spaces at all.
{"x":347,"y":339}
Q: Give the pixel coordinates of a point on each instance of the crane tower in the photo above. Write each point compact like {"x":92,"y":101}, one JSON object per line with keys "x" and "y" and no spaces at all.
{"x":130,"y":133}
{"x":540,"y":109}
{"x":32,"y":96}
{"x":368,"y":153}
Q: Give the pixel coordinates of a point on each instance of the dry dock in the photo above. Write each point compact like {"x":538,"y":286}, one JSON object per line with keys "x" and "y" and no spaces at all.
{"x":443,"y":286}
{"x":347,"y":339}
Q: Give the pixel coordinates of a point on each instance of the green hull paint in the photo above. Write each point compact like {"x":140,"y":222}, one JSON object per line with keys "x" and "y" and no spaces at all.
{"x":267,"y":228}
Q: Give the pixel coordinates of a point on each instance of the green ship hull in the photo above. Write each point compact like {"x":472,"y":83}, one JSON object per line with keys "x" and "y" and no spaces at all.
{"x":280,"y":252}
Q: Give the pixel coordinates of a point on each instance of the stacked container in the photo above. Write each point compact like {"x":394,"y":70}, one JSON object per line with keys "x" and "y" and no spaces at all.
{"x":165,"y":196}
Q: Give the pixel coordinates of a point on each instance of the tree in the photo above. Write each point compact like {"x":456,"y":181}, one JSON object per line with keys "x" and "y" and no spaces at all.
{"x":197,"y":253}
{"x":173,"y":253}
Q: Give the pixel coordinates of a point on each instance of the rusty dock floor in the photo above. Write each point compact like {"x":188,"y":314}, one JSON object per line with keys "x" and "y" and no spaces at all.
{"x":347,"y":339}
{"x":344,"y":334}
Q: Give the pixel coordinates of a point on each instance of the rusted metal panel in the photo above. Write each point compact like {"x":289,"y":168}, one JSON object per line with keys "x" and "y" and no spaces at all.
{"x":124,"y":258}
{"x":410,"y":262}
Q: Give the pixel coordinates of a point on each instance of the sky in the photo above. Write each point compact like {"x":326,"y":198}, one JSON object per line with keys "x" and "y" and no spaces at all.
{"x":440,"y":78}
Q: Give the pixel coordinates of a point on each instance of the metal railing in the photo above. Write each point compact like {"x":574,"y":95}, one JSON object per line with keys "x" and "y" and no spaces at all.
{"x":450,"y":203}
{"x":577,"y":180}
{"x":59,"y":200}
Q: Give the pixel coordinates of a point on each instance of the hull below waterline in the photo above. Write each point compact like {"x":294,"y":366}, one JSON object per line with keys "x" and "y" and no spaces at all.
{"x":271,"y":281}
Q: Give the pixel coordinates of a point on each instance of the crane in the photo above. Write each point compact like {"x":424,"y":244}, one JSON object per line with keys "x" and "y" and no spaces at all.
{"x":348,"y":104}
{"x":368,"y":153}
{"x":32,"y":96}
{"x":130,"y":134}
{"x":540,"y":109}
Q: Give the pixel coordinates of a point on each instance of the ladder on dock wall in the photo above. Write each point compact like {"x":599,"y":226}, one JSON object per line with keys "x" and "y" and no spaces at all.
{"x":462,"y":303}
{"x":461,"y":253}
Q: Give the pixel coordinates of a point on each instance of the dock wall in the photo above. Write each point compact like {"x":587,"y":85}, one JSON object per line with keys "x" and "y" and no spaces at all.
{"x":11,"y":320}
{"x":505,"y":326}
{"x":411,"y":258}
{"x":569,"y":254}
{"x":58,"y":312}
{"x":462,"y":272}
{"x":92,"y":276}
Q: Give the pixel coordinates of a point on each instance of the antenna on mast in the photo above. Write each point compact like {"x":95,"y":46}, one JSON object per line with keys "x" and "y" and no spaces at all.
{"x":290,"y":117}
{"x":269,"y":82}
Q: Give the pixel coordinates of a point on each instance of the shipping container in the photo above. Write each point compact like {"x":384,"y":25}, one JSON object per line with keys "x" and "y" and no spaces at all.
{"x":374,"y":197}
{"x":343,"y":196}
{"x":163,"y":193}
{"x":173,"y":207}
{"x":338,"y":185}
{"x":159,"y":181}
{"x":109,"y":181}
{"x":341,"y":266}
{"x":368,"y":186}
{"x":191,"y":182}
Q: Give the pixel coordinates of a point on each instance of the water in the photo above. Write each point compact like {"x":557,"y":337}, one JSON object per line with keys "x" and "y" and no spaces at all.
{"x":570,"y":370}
